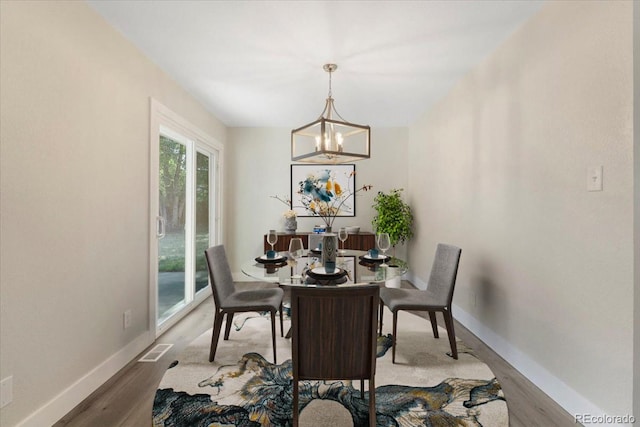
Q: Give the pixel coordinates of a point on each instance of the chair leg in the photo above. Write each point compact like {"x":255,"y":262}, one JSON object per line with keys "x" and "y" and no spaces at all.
{"x":294,"y":408}
{"x":227,"y":328}
{"x":281,"y":322}
{"x":434,"y":324}
{"x":372,"y":402}
{"x":448,"y":320}
{"x":395,"y":337}
{"x":381,"y":305}
{"x":273,"y":334}
{"x":217,"y":326}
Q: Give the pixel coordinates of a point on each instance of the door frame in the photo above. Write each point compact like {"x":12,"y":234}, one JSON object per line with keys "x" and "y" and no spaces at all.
{"x":161,"y":116}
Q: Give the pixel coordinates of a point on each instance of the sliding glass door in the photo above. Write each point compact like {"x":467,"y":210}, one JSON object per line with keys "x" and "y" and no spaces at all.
{"x":185,"y":178}
{"x":203,"y":215}
{"x":173,"y":289}
{"x":185,"y":175}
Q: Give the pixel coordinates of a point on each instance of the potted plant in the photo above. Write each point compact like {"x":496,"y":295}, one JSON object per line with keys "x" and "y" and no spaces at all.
{"x":393,"y":216}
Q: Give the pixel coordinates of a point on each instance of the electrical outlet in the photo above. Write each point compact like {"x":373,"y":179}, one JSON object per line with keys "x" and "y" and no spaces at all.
{"x":594,"y":178}
{"x":6,"y":391}
{"x":127,"y":318}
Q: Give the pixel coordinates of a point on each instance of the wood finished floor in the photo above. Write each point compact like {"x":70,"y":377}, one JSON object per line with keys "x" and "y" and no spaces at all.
{"x":127,"y":398}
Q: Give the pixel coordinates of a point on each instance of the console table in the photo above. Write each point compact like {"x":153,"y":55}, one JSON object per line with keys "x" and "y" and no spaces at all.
{"x":363,"y":241}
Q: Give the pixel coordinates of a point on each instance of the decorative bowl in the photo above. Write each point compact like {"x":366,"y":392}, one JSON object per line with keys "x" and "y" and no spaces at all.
{"x":353,"y":229}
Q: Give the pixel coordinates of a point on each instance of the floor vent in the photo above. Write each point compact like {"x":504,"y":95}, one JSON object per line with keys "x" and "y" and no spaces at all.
{"x":155,"y":353}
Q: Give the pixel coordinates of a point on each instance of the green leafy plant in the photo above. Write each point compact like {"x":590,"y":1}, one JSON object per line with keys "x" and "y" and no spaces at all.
{"x":393,"y":216}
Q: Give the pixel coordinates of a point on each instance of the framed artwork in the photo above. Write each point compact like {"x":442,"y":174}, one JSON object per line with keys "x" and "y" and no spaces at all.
{"x":323,"y":190}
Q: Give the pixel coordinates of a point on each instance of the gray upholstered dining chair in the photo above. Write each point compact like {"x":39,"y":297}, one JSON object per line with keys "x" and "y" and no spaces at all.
{"x":437,"y":296}
{"x":334,"y":337}
{"x":228,"y":300}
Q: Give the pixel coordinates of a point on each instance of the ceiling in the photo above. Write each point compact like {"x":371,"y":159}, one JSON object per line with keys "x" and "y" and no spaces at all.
{"x":259,"y":63}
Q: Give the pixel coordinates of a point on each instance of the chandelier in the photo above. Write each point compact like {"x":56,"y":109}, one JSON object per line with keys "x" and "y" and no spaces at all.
{"x":330,"y":139}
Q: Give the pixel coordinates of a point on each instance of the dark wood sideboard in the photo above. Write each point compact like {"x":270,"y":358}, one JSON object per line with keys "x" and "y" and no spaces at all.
{"x":362,"y":241}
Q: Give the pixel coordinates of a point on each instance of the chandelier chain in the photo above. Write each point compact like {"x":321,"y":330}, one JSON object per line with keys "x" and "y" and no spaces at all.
{"x":330,"y":108}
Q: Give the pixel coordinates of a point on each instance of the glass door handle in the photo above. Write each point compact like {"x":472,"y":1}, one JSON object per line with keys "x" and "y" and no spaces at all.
{"x":160,"y":227}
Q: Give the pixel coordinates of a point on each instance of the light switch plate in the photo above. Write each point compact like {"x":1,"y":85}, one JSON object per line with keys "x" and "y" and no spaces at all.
{"x":594,"y":178}
{"x":126,"y":319}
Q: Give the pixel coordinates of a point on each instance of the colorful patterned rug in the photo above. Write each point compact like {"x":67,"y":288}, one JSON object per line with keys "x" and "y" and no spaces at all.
{"x":241,"y":388}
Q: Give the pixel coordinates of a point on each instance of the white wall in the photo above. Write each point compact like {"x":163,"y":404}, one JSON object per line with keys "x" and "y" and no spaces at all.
{"x":499,"y":167}
{"x":258,"y":166}
{"x":74,"y":201}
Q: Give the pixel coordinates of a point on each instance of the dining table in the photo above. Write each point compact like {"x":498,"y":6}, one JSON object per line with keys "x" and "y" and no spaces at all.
{"x":352,"y":266}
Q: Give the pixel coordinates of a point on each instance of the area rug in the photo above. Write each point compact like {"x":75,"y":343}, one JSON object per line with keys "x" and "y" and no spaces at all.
{"x":244,"y":388}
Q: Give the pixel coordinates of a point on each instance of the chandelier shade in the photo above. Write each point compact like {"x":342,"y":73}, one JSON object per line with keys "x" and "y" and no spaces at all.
{"x":329,"y":139}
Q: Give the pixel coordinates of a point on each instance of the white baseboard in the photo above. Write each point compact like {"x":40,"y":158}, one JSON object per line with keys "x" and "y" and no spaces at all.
{"x":572,"y":401}
{"x":415,"y":280}
{"x":565,"y":396}
{"x":69,"y":398}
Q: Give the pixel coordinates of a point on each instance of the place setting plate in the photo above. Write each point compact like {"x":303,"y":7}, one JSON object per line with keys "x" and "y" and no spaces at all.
{"x":326,"y":282}
{"x":319,"y":273}
{"x":276,"y":260}
{"x":379,"y":258}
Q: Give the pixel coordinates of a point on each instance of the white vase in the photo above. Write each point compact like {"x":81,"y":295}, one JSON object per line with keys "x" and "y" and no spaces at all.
{"x":290,"y":224}
{"x":395,"y":281}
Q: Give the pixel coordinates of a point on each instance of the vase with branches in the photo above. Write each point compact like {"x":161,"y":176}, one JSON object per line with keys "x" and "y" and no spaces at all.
{"x":323,"y":196}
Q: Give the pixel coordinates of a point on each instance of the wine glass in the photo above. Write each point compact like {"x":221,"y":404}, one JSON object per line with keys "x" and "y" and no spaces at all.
{"x":342,"y":235}
{"x":296,"y":250}
{"x":384,"y":243}
{"x":272,"y":238}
